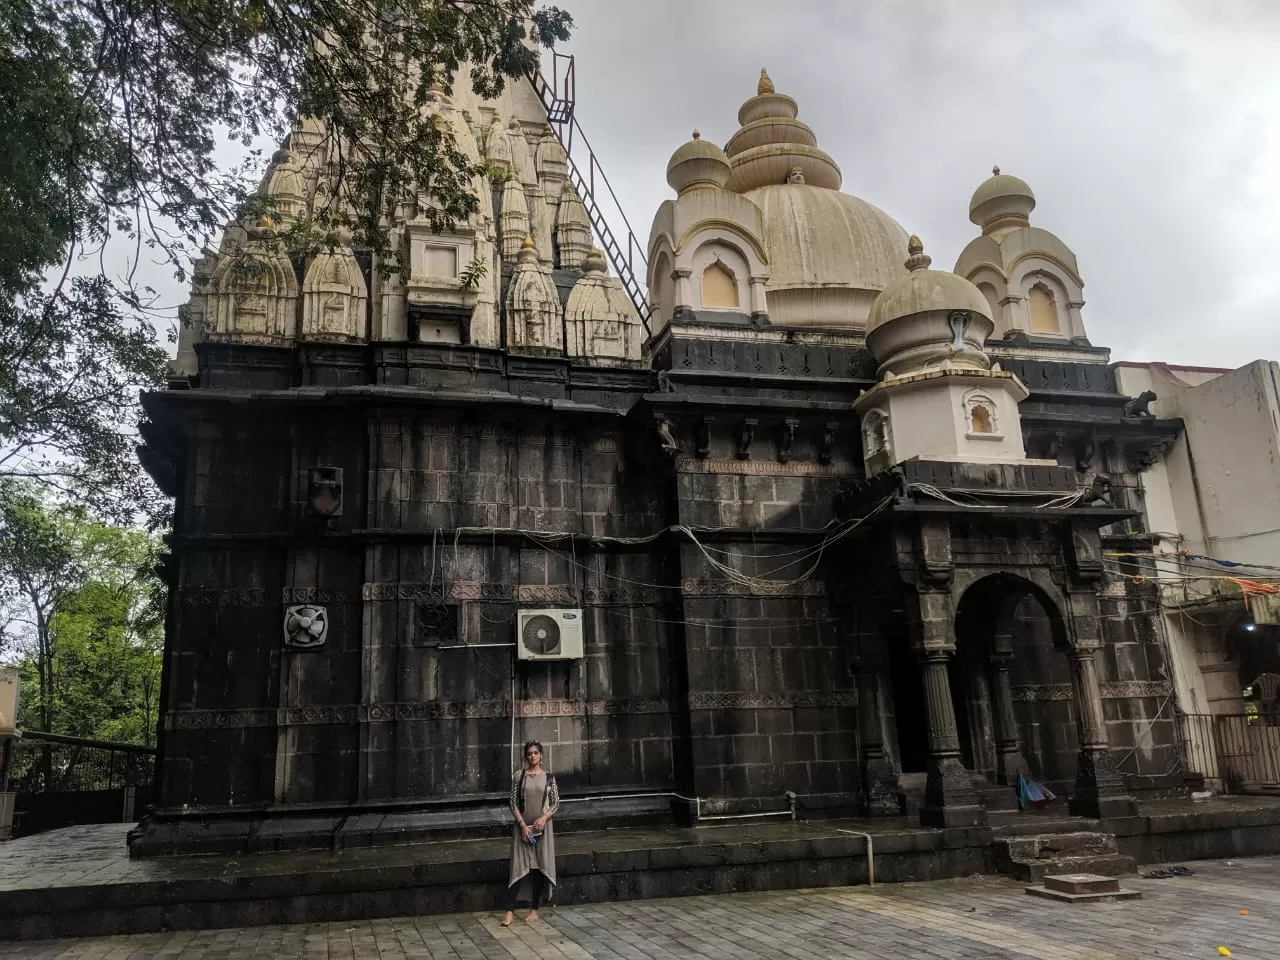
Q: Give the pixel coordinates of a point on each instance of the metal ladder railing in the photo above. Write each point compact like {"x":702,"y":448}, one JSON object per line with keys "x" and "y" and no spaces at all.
{"x":558,"y":98}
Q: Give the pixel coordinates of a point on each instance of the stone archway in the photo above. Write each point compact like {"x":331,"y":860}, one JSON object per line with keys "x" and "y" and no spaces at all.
{"x":1011,"y":682}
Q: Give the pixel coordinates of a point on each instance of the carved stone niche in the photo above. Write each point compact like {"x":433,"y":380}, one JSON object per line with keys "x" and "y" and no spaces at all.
{"x":305,"y":626}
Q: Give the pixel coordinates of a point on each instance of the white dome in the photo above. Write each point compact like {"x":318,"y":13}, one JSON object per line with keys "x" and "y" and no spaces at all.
{"x":830,"y":254}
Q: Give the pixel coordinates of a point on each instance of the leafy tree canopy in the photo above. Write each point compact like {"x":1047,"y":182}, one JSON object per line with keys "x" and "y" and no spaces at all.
{"x":114,"y":111}
{"x":81,"y":611}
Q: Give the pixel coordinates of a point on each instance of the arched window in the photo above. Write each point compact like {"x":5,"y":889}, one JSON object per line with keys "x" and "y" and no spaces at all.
{"x":980,"y":419}
{"x":719,"y":288}
{"x":1044,"y":310}
{"x":980,"y":416}
{"x":876,"y":441}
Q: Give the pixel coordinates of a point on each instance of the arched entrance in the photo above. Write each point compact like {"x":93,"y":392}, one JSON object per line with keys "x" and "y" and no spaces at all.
{"x":1011,"y":683}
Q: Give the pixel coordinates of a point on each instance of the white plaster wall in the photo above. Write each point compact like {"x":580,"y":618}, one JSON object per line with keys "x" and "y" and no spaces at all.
{"x":1233,"y":436}
{"x":930,"y":420}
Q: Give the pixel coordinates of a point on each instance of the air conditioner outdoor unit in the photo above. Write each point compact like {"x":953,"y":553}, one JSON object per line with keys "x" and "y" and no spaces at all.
{"x":549,"y":634}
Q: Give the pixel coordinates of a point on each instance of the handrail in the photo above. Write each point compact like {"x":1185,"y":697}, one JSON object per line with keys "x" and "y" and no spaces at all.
{"x":558,"y":100}
{"x":42,"y":736}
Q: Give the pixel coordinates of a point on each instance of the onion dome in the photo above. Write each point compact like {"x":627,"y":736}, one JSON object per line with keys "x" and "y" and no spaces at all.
{"x":772,"y":144}
{"x":698,"y":164}
{"x":1001,"y":201}
{"x":594,"y":262}
{"x":927,"y":319}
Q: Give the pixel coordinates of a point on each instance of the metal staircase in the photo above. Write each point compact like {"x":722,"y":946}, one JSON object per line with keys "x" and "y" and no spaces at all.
{"x":626,"y":255}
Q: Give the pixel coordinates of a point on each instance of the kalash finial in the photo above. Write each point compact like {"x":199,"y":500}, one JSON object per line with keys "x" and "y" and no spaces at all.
{"x":995,"y":170}
{"x":697,"y":135}
{"x":765,"y":85}
{"x":917,"y":259}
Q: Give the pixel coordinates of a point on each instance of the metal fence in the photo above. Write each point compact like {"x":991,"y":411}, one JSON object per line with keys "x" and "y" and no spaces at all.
{"x":60,"y":781}
{"x":1236,"y":753}
{"x":51,"y":763}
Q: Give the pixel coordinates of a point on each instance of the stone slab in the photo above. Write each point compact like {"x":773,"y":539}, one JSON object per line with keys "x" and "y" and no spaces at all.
{"x":1062,"y":897}
{"x":1081,"y":883}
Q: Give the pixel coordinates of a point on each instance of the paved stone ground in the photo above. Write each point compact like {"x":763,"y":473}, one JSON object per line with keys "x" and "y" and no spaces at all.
{"x":984,"y":918}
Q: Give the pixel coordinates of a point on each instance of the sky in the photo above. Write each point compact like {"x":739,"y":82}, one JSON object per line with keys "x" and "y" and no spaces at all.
{"x":1148,"y":129}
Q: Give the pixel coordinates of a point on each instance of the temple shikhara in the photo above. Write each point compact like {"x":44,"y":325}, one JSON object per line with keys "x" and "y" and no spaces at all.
{"x":771,"y":515}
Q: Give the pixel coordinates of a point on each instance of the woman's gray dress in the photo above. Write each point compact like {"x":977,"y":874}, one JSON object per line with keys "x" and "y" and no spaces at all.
{"x":542,"y":856}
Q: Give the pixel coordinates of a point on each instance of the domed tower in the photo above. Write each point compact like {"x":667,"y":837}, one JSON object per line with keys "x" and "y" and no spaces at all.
{"x":707,"y":259}
{"x":1028,"y":276}
{"x":812,"y":256}
{"x":939,"y":396}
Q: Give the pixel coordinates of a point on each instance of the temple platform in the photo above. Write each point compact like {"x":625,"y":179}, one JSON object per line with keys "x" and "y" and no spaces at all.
{"x":80,"y":881}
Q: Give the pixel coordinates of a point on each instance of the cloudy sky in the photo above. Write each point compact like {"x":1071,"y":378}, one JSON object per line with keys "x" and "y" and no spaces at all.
{"x":1149,"y":130}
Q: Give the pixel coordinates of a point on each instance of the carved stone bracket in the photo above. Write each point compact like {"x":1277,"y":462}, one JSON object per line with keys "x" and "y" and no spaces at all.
{"x":746,"y":434}
{"x":826,"y":448}
{"x":704,"y":437}
{"x":787,"y":439}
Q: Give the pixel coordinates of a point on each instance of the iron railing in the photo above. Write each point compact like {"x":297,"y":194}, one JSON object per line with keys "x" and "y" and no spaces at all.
{"x":627,"y":255}
{"x":1237,"y":752}
{"x":52,"y":763}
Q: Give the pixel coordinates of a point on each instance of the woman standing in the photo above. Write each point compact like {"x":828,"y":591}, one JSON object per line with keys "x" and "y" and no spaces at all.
{"x":534,"y":801}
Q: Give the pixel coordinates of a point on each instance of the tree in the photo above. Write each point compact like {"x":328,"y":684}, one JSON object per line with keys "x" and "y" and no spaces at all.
{"x":114,"y":111}
{"x":71,"y":367}
{"x":83,"y":612}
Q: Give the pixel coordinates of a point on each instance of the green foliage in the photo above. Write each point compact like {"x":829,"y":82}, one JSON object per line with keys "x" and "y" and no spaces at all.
{"x":473,"y":273}
{"x":70,"y":370}
{"x":81,"y":611}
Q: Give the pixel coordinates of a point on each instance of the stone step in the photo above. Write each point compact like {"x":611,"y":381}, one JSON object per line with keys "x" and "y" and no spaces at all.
{"x":1027,"y":823}
{"x":1081,"y":883}
{"x":995,"y":796}
{"x":1049,"y":846}
{"x":1108,"y":865}
{"x":1082,"y":887}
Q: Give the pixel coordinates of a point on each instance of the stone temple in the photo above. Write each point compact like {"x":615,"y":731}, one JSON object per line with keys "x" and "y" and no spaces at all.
{"x":811,"y":526}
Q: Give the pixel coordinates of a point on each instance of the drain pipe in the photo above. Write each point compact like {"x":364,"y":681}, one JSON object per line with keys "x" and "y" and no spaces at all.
{"x":871,"y":857}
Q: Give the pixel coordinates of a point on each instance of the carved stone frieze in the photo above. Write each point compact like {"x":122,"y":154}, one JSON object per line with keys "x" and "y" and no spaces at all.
{"x":723,"y":588}
{"x":497,"y":708}
{"x":772,"y":701}
{"x":228,"y":597}
{"x":759,"y":468}
{"x":293,"y":595}
{"x":1115,"y":690}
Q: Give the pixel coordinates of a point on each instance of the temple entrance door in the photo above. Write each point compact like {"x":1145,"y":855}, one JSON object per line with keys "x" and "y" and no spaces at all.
{"x":971,"y":699}
{"x":910,"y":714}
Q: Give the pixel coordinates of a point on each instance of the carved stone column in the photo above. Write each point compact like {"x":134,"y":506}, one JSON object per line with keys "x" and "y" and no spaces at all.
{"x":950,"y":800}
{"x":1099,"y":788}
{"x":1009,"y":759}
{"x":879,"y":778}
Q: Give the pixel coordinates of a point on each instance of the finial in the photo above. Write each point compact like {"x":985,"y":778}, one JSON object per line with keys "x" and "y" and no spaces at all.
{"x":918,"y":259}
{"x":528,"y":243}
{"x":765,"y":85}
{"x":995,"y":171}
{"x":697,"y":135}
{"x":593,"y":262}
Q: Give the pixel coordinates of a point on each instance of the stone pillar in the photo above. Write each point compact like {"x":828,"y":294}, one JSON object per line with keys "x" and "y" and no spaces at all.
{"x":879,"y":778}
{"x":1099,"y":789}
{"x":950,"y":800}
{"x":684,"y":290}
{"x":1009,"y":759}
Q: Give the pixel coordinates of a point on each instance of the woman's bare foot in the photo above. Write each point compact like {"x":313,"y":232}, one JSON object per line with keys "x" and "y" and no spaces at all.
{"x":532,"y":917}
{"x":506,"y":921}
